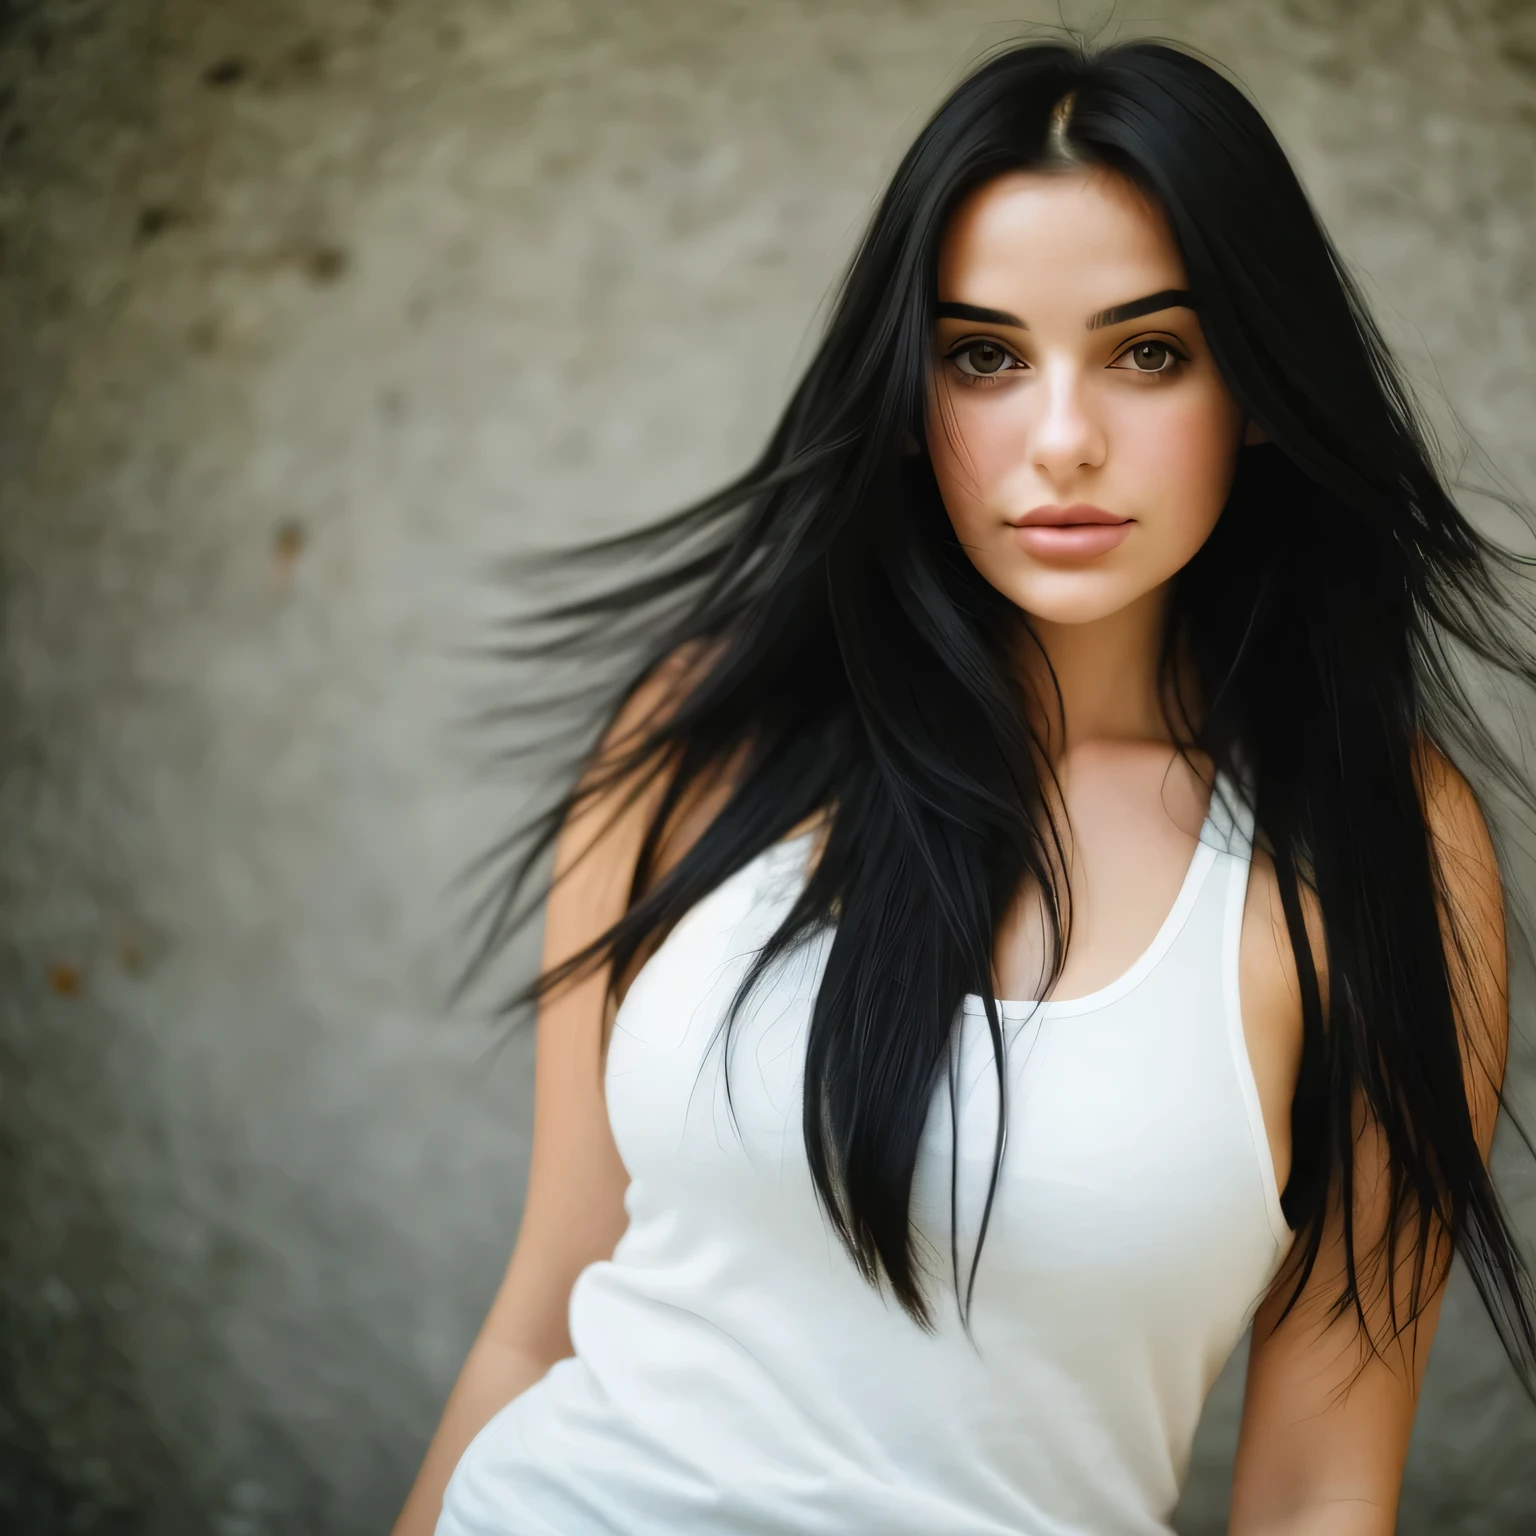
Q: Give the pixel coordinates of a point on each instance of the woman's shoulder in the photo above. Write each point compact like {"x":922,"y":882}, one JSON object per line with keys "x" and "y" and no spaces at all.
{"x":1467,"y":870}
{"x":1456,"y":823}
{"x":1470,"y":898}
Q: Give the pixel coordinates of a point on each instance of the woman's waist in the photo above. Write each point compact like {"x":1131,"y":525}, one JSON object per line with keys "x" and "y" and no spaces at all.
{"x":664,"y":1442}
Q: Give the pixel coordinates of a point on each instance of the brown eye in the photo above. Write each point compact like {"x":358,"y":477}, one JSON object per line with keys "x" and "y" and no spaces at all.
{"x":1150,"y":357}
{"x":982,"y":359}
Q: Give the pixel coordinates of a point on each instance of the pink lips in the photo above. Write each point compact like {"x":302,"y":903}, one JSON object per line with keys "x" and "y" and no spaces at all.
{"x":1077,"y":532}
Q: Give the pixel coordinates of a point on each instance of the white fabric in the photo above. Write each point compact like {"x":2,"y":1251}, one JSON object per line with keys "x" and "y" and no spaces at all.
{"x":734,"y":1375}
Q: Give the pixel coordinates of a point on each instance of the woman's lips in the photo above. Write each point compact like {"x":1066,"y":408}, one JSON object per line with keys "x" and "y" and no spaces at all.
{"x":1070,"y":533}
{"x":1069,"y":541}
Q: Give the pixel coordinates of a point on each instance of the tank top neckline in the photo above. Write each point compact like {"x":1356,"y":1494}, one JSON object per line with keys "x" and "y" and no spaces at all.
{"x":1217,"y":823}
{"x":1219,"y":830}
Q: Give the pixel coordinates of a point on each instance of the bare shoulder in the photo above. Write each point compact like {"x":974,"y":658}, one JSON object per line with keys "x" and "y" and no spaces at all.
{"x":1472,"y":920}
{"x":1471,"y":901}
{"x":1458,"y":828}
{"x":1471,"y":890}
{"x":624,"y":784}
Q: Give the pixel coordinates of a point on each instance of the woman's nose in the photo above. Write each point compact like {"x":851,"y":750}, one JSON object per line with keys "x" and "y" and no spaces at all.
{"x":1067,"y":435}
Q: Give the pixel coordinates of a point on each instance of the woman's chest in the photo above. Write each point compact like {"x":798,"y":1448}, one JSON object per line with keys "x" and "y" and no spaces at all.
{"x":1126,"y":1143}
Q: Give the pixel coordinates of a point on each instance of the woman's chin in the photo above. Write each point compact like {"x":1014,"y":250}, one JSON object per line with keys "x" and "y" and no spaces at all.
{"x":1073,"y":597}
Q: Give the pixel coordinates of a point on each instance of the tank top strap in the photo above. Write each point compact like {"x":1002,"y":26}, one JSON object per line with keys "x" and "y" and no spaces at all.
{"x":1230,"y":820}
{"x":1231,"y":828}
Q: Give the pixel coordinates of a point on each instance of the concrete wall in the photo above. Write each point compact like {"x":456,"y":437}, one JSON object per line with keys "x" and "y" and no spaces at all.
{"x":310,"y":309}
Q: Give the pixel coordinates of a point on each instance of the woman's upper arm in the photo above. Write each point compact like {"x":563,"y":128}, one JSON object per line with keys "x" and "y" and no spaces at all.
{"x":573,"y":1214}
{"x":1327,"y":1421}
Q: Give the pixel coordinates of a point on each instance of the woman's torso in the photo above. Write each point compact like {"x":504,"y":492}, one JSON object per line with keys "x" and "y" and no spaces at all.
{"x":733,"y":1372}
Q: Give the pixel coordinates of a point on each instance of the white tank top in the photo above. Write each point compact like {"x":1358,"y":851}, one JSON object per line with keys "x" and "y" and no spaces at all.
{"x":735,"y":1376}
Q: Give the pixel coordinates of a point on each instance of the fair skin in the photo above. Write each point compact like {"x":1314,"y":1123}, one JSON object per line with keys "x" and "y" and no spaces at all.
{"x":1044,"y":409}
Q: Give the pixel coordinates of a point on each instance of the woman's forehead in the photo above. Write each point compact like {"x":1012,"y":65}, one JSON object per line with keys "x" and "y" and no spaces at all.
{"x":1073,"y":238}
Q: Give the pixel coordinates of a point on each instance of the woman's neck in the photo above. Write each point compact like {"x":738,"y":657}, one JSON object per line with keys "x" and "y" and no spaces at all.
{"x":1107,"y":675}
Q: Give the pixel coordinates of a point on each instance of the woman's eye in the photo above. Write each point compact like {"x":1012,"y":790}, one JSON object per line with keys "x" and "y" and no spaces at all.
{"x":1149,"y":357}
{"x":983,"y":359}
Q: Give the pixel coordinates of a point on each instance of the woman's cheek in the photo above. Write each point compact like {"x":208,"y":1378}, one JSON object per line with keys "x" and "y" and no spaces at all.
{"x":977,"y":460}
{"x":1181,"y":460}
{"x":958,"y":451}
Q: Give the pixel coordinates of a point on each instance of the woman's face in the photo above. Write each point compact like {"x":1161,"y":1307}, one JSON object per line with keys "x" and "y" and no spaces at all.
{"x":1083,"y":440}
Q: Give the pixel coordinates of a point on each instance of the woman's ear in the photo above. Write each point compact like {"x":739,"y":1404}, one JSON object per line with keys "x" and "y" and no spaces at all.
{"x":1253,"y":433}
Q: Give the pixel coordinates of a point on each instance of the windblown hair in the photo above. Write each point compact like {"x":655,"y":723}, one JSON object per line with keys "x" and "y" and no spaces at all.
{"x":844,"y":659}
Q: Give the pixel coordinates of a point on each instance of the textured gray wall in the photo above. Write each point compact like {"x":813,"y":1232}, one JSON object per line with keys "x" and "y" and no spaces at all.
{"x":311,"y":308}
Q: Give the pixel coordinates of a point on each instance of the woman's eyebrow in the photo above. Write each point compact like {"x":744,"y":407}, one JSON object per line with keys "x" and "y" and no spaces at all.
{"x":1169,"y":298}
{"x":976,"y":312}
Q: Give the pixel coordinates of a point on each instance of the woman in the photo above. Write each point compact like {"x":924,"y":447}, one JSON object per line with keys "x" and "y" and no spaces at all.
{"x":1083,"y":637}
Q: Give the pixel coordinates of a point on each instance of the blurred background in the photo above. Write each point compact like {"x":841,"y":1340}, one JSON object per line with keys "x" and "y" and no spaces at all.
{"x":312,"y":310}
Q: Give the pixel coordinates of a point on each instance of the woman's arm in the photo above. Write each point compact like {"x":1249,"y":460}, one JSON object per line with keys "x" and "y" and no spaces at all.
{"x":574,"y":1212}
{"x":1326,"y":1423}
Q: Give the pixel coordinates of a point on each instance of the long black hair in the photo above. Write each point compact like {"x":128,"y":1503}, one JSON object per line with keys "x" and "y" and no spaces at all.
{"x":823,"y":647}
